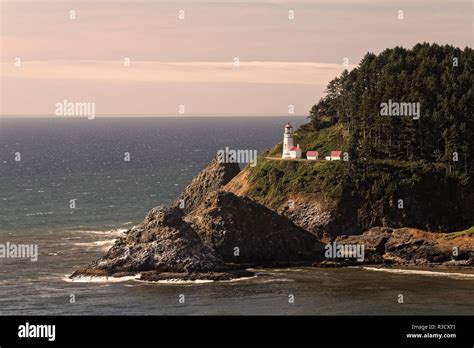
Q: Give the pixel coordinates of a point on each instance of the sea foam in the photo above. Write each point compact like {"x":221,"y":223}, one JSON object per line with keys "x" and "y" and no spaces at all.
{"x":90,"y":279}
{"x":421,"y":272}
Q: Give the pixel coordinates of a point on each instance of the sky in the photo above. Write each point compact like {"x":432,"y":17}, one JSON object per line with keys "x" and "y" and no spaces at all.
{"x":151,"y":57}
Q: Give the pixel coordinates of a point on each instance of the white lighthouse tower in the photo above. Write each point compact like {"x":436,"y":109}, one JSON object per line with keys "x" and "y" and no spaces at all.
{"x":287,"y":141}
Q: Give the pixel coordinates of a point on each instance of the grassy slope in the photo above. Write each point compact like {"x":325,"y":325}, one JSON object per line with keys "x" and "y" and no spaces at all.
{"x":273,"y":181}
{"x":276,"y":180}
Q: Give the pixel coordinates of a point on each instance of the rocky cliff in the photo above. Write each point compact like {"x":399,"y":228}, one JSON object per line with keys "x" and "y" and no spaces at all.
{"x":215,"y":236}
{"x":409,"y":247}
{"x":211,"y":178}
{"x":333,"y":198}
{"x":162,"y":247}
{"x":219,"y":231}
{"x":242,"y":231}
{"x":314,"y":212}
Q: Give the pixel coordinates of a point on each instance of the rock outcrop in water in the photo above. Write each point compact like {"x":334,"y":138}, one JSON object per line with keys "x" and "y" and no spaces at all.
{"x":216,"y":234}
{"x":409,"y":247}
{"x":162,"y":247}
{"x":220,"y":235}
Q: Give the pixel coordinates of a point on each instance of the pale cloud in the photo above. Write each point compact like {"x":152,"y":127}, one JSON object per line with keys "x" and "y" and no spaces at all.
{"x":190,"y":61}
{"x":287,"y":73}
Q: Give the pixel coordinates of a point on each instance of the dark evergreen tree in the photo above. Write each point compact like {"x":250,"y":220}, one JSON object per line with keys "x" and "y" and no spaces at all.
{"x":439,"y":78}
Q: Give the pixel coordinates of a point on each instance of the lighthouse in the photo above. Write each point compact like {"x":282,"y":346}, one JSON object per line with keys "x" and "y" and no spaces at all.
{"x":287,"y":141}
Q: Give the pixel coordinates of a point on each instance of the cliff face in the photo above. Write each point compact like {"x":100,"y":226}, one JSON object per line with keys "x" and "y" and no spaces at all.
{"x":313,"y":212}
{"x":409,"y":246}
{"x":240,"y":230}
{"x":211,"y":178}
{"x":162,"y":247}
{"x":220,"y":235}
{"x":333,"y":198}
{"x":279,"y":213}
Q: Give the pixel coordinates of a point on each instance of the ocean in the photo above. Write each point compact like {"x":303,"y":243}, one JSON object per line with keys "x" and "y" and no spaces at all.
{"x":66,"y":186}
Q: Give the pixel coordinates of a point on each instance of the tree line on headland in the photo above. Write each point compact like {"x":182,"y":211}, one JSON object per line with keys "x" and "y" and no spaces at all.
{"x":438,"y":79}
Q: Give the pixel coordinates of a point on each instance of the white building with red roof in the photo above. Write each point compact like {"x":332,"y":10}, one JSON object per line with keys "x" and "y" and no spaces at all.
{"x":295,"y":152}
{"x":312,"y":155}
{"x":334,"y":156}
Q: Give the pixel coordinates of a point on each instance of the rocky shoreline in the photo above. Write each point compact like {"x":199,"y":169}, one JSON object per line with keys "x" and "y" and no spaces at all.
{"x":408,"y":247}
{"x":210,"y":233}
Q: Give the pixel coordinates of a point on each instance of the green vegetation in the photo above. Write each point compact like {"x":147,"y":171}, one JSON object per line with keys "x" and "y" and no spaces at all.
{"x":392,"y":159}
{"x":468,"y":233}
{"x":439,"y":78}
{"x":279,"y":179}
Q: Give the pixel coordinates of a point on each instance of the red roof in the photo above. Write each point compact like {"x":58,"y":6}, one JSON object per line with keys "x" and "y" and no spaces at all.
{"x":288,"y":125}
{"x":312,"y":153}
{"x":294,"y":148}
{"x":335,"y":153}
